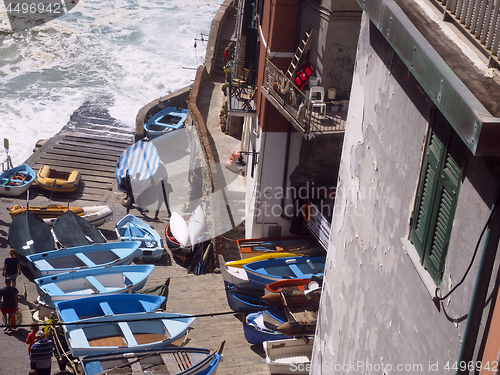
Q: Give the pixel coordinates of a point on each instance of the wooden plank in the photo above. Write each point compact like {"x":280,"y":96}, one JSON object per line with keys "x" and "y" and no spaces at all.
{"x":111,"y":340}
{"x":135,"y":366}
{"x":148,"y":338}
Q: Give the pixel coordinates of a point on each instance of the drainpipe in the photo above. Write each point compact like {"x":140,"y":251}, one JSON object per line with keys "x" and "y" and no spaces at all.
{"x":285,"y":173}
{"x":479,"y":294}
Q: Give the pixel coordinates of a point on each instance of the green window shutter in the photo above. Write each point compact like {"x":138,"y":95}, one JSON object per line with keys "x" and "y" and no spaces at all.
{"x":437,"y":197}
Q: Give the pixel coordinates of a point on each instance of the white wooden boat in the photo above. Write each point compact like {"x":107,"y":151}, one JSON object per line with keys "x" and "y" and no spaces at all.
{"x":167,"y":361}
{"x":126,"y":332}
{"x":107,"y":304}
{"x":82,"y":257}
{"x":131,"y":228}
{"x":289,"y":356}
{"x":15,"y":181}
{"x":88,"y":282}
{"x":232,"y":275}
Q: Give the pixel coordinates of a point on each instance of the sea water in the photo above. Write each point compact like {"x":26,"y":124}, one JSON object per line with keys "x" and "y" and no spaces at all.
{"x":133,"y":51}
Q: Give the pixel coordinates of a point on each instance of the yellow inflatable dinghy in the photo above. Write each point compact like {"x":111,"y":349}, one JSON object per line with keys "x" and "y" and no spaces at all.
{"x":53,"y":180}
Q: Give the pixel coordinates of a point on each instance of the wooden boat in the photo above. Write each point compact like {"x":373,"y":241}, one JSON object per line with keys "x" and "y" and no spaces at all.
{"x":82,"y":257}
{"x":273,"y":318}
{"x":298,"y":328}
{"x":15,"y":181}
{"x":105,"y":305}
{"x":306,"y":245}
{"x":95,"y":215}
{"x":171,"y":361}
{"x":292,"y":291}
{"x":71,"y":230}
{"x":244,"y":298}
{"x":88,"y":282}
{"x":240,"y":263}
{"x":265,"y":272}
{"x":165,"y":121}
{"x":50,"y":179}
{"x":233,"y":275}
{"x":131,"y":228}
{"x":28,"y":234}
{"x":289,"y":356}
{"x":126,"y":332}
{"x":256,"y":332}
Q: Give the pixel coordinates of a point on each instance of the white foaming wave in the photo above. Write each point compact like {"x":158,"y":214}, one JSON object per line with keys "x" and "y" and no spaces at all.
{"x":133,"y":52}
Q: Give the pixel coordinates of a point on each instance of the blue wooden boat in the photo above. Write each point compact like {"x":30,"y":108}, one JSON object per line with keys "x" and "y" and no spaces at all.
{"x":173,"y":361}
{"x":165,"y":121}
{"x":256,"y":332}
{"x":126,"y":332}
{"x":273,"y":318}
{"x":88,"y":282}
{"x":244,"y":297}
{"x":15,"y":181}
{"x":82,"y":257}
{"x":106,"y":305}
{"x":268,"y":271}
{"x":131,"y":228}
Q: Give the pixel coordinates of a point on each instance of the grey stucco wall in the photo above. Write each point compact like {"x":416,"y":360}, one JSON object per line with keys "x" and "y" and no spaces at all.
{"x":375,"y":309}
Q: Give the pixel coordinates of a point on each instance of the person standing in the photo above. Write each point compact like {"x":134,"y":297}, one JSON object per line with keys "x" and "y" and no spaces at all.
{"x":12,"y":267}
{"x":41,"y":354}
{"x":9,"y":297}
{"x":30,"y":340}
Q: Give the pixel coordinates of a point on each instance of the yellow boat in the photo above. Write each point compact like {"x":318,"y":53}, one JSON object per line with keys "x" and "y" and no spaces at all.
{"x":46,"y":212}
{"x":53,"y":180}
{"x":241,"y":262}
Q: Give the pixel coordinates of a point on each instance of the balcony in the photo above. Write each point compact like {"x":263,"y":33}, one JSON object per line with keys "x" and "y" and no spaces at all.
{"x":298,"y":108}
{"x":239,"y":92}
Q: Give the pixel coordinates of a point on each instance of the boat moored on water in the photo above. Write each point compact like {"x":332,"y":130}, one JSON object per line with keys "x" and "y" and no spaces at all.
{"x":16,"y":180}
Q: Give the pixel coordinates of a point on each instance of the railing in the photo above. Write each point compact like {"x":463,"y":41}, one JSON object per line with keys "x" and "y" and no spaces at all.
{"x":298,"y":107}
{"x":481,"y":18}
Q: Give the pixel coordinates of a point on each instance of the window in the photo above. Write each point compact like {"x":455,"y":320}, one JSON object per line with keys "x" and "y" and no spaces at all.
{"x":437,"y":195}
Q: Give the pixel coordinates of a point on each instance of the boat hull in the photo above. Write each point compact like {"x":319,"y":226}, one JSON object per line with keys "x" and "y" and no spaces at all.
{"x":165,"y":121}
{"x":82,"y":257}
{"x":256,"y":332}
{"x":178,"y":361}
{"x":15,"y":181}
{"x":131,"y":228}
{"x":104,"y":305}
{"x":126,"y":332}
{"x":289,"y":356}
{"x":85,"y":283}
{"x":266,"y":272}
{"x":243,"y":298}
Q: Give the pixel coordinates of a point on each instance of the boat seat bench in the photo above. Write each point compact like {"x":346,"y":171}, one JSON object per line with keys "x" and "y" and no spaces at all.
{"x":70,"y":315}
{"x":96,"y":284}
{"x":53,"y":290}
{"x":42,"y":264}
{"x":296,"y":271}
{"x":106,"y":309}
{"x":127,"y":334}
{"x":85,"y":259}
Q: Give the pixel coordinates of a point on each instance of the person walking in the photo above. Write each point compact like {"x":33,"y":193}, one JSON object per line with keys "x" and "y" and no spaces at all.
{"x":30,"y":340}
{"x":12,"y":267}
{"x":41,"y":354}
{"x":9,"y":297}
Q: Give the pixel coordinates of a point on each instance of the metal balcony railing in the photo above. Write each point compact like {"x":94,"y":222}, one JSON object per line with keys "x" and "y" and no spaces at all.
{"x":298,"y":108}
{"x":480,"y":18}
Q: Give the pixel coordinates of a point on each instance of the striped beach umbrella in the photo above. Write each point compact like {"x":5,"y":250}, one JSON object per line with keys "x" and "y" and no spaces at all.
{"x":140,"y":161}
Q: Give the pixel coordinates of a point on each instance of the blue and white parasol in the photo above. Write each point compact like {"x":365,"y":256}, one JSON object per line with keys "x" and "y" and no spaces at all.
{"x":140,"y":161}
